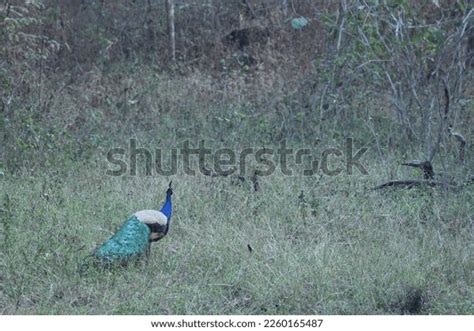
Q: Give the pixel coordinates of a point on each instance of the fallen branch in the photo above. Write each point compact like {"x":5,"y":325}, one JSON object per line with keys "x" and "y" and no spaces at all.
{"x":410,"y":183}
{"x":425,"y":166}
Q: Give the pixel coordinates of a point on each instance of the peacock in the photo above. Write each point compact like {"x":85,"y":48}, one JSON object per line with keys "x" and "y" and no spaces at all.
{"x":135,"y":236}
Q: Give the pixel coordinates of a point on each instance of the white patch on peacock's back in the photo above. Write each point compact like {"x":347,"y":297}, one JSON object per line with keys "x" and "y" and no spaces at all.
{"x":156,"y":235}
{"x":151,"y":217}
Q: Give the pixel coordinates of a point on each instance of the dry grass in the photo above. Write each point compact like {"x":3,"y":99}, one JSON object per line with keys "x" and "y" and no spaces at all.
{"x":344,"y":250}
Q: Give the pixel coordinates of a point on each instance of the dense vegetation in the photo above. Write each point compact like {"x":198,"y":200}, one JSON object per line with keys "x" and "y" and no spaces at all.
{"x":80,"y":78}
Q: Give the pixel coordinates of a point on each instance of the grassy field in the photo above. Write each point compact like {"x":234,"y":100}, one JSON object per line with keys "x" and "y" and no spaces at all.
{"x":340,"y":249}
{"x":79,"y":79}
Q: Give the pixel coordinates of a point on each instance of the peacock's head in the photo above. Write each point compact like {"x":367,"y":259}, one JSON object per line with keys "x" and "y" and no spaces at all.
{"x":167,"y":208}
{"x":169,"y":191}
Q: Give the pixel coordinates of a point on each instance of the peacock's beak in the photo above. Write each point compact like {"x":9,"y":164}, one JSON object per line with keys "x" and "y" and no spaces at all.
{"x":154,"y":236}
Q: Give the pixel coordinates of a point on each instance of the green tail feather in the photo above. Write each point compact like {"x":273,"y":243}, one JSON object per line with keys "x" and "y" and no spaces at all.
{"x":129,"y":241}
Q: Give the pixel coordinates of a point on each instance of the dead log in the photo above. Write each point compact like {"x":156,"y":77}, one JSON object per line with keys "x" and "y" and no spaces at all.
{"x":425,"y":166}
{"x":410,"y":183}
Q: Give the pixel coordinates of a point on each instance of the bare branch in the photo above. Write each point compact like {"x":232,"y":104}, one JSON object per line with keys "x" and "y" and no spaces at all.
{"x":410,"y":183}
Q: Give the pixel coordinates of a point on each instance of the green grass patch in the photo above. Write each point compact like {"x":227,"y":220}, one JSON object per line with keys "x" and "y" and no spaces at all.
{"x":342,"y":250}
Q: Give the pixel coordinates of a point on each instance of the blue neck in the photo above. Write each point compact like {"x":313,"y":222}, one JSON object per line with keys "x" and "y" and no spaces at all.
{"x":167,"y":208}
